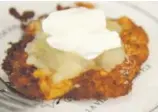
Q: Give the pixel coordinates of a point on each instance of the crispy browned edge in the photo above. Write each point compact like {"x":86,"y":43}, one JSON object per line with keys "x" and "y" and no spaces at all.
{"x":19,"y":73}
{"x":92,"y":84}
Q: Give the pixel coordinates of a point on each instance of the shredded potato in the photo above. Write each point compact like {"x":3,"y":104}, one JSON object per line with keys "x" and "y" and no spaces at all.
{"x":110,"y":79}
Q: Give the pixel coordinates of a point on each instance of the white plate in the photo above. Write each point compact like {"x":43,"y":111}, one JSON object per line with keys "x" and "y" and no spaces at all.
{"x":143,"y":96}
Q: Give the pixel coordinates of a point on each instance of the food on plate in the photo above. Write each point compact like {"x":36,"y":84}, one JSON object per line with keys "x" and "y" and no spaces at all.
{"x":76,"y":52}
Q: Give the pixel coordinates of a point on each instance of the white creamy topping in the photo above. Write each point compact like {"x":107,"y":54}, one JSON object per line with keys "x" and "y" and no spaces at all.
{"x":77,"y":40}
{"x":80,"y":30}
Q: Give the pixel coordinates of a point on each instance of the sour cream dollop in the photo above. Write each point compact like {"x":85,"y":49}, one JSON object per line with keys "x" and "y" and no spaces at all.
{"x":80,"y":30}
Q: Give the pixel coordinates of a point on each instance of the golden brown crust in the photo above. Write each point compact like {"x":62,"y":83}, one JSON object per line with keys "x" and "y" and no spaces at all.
{"x":93,"y":85}
{"x":85,"y":4}
{"x":99,"y":84}
{"x":96,"y":84}
{"x":20,"y":74}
